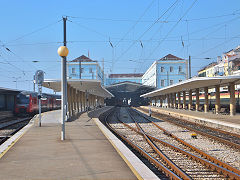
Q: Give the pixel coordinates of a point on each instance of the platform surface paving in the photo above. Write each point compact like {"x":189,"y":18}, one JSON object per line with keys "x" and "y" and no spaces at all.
{"x":85,"y":154}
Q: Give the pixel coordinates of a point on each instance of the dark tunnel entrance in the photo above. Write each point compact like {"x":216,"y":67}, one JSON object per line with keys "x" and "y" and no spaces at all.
{"x":128,"y":94}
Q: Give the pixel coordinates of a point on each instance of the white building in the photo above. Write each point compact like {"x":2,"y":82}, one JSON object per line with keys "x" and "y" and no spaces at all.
{"x":166,"y":71}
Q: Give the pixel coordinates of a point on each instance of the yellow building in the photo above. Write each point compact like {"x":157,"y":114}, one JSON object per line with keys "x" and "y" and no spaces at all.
{"x":208,"y":71}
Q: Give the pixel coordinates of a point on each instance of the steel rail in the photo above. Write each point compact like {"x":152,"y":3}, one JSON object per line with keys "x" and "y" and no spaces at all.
{"x":212,"y":165}
{"x":203,"y":154}
{"x":174,"y":167}
{"x":7,"y":124}
{"x":227,"y":142}
{"x":9,"y":135}
{"x":159,"y":165}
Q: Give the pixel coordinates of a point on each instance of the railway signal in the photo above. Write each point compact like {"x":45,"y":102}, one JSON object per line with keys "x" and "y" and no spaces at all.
{"x":39,"y":75}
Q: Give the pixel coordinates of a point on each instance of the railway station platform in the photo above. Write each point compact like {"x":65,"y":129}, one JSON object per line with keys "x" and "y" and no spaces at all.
{"x":85,"y":154}
{"x":225,"y":122}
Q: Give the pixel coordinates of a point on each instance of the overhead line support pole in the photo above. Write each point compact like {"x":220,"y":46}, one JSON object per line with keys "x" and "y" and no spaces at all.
{"x":64,"y":82}
{"x":189,"y":66}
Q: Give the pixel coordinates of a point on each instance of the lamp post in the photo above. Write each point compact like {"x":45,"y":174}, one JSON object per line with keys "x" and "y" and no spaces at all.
{"x":63,"y":52}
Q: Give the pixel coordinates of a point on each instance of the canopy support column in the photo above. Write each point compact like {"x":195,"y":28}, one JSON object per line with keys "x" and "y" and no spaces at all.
{"x":72,"y":112}
{"x":161,"y":101}
{"x":78,"y":101}
{"x":175,"y":100}
{"x":184,"y":100}
{"x":171,"y":100}
{"x":179,"y":100}
{"x":197,"y":99}
{"x":206,"y":106}
{"x":231,"y":89}
{"x":68,"y":101}
{"x":217,"y":105}
{"x":190,"y":100}
{"x":168,"y":101}
{"x":81,"y":100}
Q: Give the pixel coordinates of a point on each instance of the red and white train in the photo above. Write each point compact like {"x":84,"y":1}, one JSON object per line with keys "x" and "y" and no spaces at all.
{"x":27,"y":102}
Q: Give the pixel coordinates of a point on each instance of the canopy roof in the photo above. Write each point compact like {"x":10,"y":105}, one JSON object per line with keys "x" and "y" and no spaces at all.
{"x":93,"y":87}
{"x":128,"y":86}
{"x":193,"y":83}
{"x":9,"y":91}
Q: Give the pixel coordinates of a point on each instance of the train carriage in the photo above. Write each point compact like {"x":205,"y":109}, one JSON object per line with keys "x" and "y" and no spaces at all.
{"x":27,"y":102}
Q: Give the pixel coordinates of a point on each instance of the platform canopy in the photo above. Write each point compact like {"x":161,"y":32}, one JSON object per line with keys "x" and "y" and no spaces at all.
{"x":193,"y":83}
{"x":128,"y":86}
{"x":9,"y":91}
{"x":93,"y":87}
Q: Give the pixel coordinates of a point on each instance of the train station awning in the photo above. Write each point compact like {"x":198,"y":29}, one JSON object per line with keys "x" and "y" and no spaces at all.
{"x":9,"y":91}
{"x":193,"y":83}
{"x":93,"y":87}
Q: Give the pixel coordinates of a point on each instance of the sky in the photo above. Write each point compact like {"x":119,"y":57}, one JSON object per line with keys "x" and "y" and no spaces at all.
{"x":128,"y":35}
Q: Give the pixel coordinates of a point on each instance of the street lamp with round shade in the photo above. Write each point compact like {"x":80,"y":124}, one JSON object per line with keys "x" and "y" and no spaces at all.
{"x":63,"y":51}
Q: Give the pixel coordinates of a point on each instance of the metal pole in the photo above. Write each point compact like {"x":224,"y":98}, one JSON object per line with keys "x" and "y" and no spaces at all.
{"x":64,"y":83}
{"x":39,"y":104}
{"x":189,"y":66}
{"x":34,"y":83}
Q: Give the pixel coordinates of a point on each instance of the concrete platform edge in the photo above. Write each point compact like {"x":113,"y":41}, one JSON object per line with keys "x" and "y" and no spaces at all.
{"x":4,"y":148}
{"x":140,"y":170}
{"x":212,"y":122}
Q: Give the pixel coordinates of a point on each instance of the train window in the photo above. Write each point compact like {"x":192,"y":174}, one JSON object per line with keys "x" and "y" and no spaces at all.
{"x":23,"y":99}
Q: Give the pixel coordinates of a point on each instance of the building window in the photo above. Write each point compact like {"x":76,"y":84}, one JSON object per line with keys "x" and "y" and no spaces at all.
{"x":171,"y":69}
{"x":180,"y":80}
{"x":180,"y":68}
{"x":73,"y":70}
{"x":162,"y":69}
{"x":171,"y":82}
{"x":162,"y":83}
{"x":90,"y":70}
{"x":82,"y":70}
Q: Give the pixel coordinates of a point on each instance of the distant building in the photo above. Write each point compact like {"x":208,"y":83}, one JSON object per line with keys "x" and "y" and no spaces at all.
{"x":208,"y":71}
{"x":90,"y":69}
{"x":230,"y":58}
{"x":117,"y":78}
{"x":166,"y":71}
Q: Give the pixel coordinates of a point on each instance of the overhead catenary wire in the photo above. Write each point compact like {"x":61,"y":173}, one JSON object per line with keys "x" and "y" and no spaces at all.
{"x":175,"y":25}
{"x":214,"y":47}
{"x":9,"y":63}
{"x":134,"y":25}
{"x":35,"y":31}
{"x":147,"y":21}
{"x":89,"y":29}
{"x":150,"y":27}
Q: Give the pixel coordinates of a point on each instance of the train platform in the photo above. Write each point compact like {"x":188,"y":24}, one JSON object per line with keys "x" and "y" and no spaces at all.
{"x":87,"y":153}
{"x":225,"y":122}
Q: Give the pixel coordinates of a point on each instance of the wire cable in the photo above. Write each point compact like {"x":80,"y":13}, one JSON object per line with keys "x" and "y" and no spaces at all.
{"x":132,"y":27}
{"x":146,"y":31}
{"x":173,"y":27}
{"x":37,"y":30}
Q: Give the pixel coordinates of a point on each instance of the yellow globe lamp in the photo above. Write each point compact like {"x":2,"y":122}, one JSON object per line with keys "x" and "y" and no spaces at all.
{"x":63,"y":51}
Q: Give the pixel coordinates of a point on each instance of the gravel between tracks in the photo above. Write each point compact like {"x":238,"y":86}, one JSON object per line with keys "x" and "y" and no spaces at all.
{"x":216,"y":149}
{"x":210,"y":147}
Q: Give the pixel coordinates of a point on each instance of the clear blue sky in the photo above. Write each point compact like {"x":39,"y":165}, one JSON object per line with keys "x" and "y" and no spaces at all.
{"x":32,"y":31}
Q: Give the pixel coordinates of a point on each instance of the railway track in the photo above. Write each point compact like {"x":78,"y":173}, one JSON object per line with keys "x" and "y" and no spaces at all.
{"x":176,"y":159}
{"x":231,"y":139}
{"x":10,"y":127}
